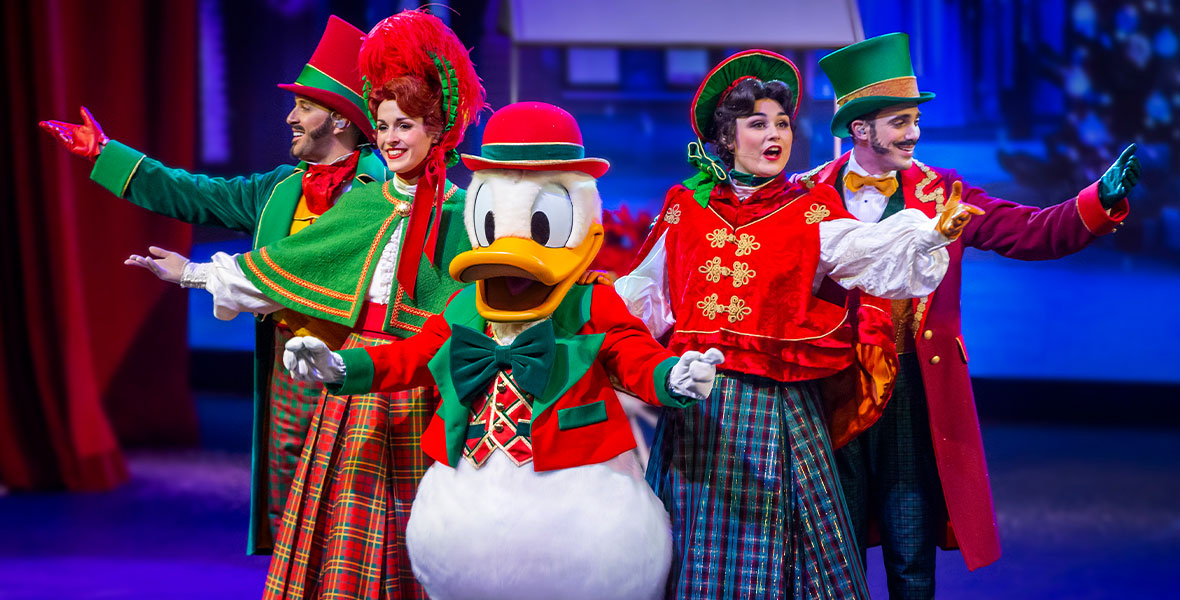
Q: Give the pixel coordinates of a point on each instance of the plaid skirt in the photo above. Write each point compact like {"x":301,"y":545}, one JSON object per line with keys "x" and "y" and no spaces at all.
{"x":343,"y":530}
{"x":748,"y":479}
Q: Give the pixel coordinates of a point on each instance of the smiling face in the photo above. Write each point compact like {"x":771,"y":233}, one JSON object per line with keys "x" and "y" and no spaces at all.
{"x":401,"y":138}
{"x":762,"y":142}
{"x":312,"y":130}
{"x":886,"y":142}
{"x":533,"y":233}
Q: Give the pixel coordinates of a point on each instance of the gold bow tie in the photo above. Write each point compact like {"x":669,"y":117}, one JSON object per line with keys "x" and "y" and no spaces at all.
{"x":853,"y":182}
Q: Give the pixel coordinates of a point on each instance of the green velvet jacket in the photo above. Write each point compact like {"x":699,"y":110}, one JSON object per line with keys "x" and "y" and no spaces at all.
{"x":262,"y":205}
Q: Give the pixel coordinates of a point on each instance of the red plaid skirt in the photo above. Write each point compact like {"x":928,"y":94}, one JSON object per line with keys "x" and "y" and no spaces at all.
{"x":343,"y":530}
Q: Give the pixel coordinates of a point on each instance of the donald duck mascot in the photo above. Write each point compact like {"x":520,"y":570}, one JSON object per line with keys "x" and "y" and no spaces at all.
{"x":535,"y":492}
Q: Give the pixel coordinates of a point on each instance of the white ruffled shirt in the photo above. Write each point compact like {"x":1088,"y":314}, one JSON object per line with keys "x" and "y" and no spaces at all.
{"x":903,"y":256}
{"x":233,"y":293}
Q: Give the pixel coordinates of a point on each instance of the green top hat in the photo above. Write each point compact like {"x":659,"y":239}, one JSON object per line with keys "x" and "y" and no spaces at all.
{"x":870,"y":75}
{"x":759,"y":64}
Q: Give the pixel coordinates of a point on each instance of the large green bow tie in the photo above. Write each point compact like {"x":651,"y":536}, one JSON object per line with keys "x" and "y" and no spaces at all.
{"x":475,"y":359}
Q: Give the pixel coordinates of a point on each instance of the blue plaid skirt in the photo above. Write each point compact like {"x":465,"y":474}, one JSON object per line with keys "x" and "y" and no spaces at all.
{"x":757,"y":512}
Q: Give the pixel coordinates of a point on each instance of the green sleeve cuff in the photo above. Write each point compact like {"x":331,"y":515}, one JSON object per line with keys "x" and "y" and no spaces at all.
{"x":358,"y":373}
{"x":115,"y":166}
{"x":666,"y":397}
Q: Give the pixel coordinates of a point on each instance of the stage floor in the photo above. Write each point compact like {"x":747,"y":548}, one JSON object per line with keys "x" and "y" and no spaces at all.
{"x":1085,"y":513}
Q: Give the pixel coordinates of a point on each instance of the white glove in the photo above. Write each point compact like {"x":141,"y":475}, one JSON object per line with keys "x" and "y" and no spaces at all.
{"x":309,"y":360}
{"x":693,"y":375}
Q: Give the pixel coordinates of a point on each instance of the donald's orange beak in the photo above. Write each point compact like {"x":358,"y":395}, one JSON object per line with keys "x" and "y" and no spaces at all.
{"x":521,"y":280}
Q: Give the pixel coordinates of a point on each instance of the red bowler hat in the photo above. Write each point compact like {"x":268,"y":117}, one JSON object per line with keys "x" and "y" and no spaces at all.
{"x":332,"y":77}
{"x":534,"y":136}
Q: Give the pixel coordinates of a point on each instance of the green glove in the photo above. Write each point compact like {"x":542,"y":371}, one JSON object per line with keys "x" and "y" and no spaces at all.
{"x":1119,"y":179}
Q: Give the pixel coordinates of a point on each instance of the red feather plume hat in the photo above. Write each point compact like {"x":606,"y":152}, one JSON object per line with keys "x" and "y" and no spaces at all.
{"x":414,"y":43}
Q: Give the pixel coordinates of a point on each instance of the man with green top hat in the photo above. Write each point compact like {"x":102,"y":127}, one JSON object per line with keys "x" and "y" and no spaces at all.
{"x":919,"y":474}
{"x":330,"y":136}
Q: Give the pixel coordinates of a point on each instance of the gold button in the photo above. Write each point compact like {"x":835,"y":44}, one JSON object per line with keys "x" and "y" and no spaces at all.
{"x":927,"y":334}
{"x":498,"y":427}
{"x":501,"y":386}
{"x":934,"y":360}
{"x":500,"y":406}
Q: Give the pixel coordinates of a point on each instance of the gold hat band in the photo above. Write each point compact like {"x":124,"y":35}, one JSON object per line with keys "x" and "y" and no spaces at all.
{"x":900,"y":87}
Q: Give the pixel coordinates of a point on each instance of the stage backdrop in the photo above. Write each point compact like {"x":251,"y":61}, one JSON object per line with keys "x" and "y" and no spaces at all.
{"x":92,"y":350}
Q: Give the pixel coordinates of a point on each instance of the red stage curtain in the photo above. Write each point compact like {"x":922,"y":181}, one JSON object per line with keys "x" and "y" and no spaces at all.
{"x":93,"y":352}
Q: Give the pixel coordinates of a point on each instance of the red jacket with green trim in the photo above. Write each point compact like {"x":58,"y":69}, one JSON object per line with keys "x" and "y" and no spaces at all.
{"x":577,"y":421}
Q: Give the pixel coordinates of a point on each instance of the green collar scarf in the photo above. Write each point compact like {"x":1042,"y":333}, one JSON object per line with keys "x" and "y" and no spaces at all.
{"x":749,"y":180}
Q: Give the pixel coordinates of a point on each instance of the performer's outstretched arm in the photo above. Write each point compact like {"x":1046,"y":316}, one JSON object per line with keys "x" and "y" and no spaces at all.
{"x":903,"y":256}
{"x":234,"y":203}
{"x":232,"y":292}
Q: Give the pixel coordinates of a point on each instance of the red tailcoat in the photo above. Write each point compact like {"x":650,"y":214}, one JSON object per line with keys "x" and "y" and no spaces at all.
{"x":1012,"y":230}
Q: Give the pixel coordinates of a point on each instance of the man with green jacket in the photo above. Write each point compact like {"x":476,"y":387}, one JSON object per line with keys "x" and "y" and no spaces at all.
{"x":330,"y":137}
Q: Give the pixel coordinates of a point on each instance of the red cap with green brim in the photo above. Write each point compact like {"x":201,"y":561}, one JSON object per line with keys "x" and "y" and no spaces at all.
{"x":870,"y":75}
{"x":332,"y":78}
{"x":534,"y":136}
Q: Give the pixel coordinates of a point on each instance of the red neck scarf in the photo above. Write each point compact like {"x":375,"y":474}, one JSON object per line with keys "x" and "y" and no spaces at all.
{"x":421,"y":231}
{"x":322,"y":184}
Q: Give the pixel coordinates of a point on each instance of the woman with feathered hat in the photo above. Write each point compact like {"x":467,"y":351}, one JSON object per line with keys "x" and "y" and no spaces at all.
{"x":735,"y":262}
{"x":376,"y":263}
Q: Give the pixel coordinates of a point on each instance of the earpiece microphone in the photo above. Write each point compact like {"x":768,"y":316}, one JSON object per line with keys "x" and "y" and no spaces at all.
{"x":341,"y":123}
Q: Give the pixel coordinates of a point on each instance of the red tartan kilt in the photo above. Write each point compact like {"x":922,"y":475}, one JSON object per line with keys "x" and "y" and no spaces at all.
{"x":343,"y":530}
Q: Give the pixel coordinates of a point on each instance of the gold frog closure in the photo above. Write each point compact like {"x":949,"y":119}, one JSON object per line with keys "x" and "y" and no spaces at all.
{"x":713,"y":269}
{"x":740,"y":271}
{"x":718,"y":237}
{"x":673,"y":214}
{"x":746,"y":244}
{"x":817,"y":213}
{"x":736,"y":309}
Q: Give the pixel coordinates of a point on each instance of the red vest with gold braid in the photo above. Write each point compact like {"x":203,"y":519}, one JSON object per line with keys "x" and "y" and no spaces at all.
{"x":740,"y":277}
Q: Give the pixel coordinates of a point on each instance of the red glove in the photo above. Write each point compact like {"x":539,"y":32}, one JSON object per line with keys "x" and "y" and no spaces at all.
{"x":85,"y":140}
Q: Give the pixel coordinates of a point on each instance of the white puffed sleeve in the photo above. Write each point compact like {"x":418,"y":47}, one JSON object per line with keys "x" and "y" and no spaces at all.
{"x":903,"y":256}
{"x":232,"y":292}
{"x":645,"y":291}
